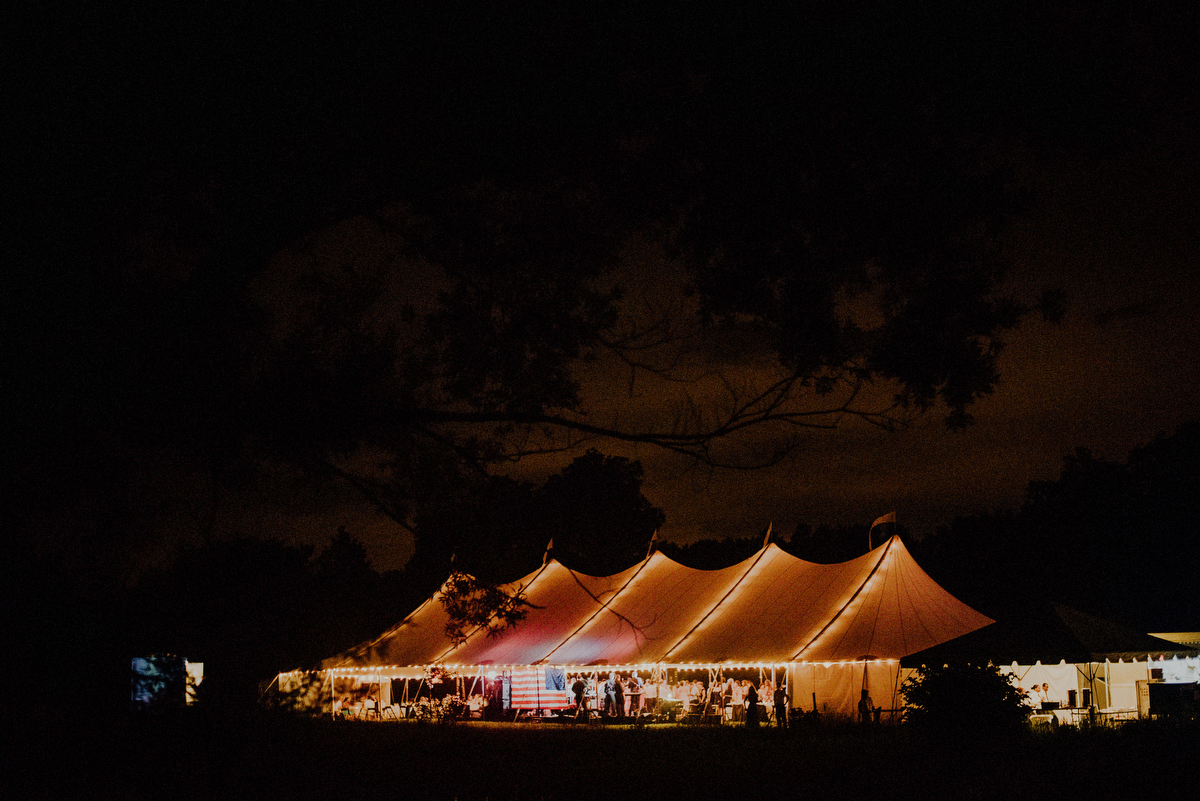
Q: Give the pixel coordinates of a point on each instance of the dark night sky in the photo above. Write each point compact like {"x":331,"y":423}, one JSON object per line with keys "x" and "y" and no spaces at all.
{"x":1119,"y":369}
{"x":1114,"y":223}
{"x":1119,"y":236}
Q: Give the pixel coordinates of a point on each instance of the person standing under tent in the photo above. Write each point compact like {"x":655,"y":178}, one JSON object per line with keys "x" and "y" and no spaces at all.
{"x":781,"y":707}
{"x":580,"y":690}
{"x":866,"y":708}
{"x":650,"y":696}
{"x":752,"y":707}
{"x":610,"y":695}
{"x":718,"y":699}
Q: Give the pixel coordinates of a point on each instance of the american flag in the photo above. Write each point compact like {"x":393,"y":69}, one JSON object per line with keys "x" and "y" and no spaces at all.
{"x":539,"y":688}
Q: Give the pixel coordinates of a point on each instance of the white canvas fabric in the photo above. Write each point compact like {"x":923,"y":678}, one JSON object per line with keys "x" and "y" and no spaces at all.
{"x":835,"y":689}
{"x":1120,"y":679}
{"x":772,"y":608}
{"x":1062,"y":678}
{"x":1180,"y":670}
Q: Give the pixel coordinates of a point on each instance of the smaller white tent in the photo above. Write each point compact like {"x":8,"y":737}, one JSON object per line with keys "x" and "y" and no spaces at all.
{"x":1081,"y":657}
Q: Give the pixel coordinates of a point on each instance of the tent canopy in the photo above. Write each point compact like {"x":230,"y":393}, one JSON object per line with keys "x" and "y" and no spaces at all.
{"x":772,"y":608}
{"x":1050,"y":633}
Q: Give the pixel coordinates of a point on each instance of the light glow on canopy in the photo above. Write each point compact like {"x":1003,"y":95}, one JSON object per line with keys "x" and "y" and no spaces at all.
{"x":770,"y":610}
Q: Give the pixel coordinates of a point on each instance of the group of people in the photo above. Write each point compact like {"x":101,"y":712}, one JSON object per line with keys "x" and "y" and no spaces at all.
{"x":355,"y":706}
{"x":614,"y":697}
{"x":1037,"y":694}
{"x":621,"y":696}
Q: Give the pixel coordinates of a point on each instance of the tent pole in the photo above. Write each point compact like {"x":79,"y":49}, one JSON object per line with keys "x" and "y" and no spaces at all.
{"x":263,"y":694}
{"x":895,"y":693}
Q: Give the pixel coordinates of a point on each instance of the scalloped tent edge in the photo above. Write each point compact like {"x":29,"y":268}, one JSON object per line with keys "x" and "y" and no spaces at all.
{"x":833,"y":629}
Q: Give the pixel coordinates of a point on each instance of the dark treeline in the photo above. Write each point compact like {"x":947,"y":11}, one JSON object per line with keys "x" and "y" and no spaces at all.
{"x":1112,"y":538}
{"x":1116,"y":538}
{"x":249,"y":608}
{"x":498,"y":528}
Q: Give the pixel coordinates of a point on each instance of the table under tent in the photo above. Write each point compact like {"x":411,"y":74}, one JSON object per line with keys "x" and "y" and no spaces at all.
{"x":1089,"y":669}
{"x":824,"y":632}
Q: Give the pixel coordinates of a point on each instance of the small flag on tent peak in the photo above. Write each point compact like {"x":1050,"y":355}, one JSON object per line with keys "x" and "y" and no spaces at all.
{"x":767,"y":539}
{"x":890,"y":517}
{"x":653,"y":541}
{"x":546,"y":555}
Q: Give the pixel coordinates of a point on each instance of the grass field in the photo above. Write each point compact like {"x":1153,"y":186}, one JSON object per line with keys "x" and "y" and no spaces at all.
{"x":261,"y":756}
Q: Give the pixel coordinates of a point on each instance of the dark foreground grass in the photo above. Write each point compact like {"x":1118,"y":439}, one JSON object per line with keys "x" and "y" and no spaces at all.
{"x":256,"y":756}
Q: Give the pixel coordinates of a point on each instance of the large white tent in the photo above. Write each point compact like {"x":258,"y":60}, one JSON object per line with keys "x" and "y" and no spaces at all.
{"x":832,"y":627}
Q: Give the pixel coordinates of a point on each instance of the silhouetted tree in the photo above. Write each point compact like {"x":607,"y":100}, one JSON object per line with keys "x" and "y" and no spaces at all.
{"x":963,"y":699}
{"x":490,"y":526}
{"x":831,"y":544}
{"x":713,"y":554}
{"x":596,"y":514}
{"x":981,"y":559}
{"x":384,"y":269}
{"x":1115,"y":538}
{"x":251,"y":608}
{"x":1118,"y":537}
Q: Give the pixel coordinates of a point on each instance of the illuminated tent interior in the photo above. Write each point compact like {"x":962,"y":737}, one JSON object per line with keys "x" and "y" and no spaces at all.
{"x":830,"y":627}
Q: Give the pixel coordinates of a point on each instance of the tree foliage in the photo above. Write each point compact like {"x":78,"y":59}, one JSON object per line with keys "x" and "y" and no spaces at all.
{"x":835,"y":227}
{"x":962,"y":698}
{"x":496,"y":529}
{"x":479,"y":605}
{"x":600,"y":521}
{"x":713,"y":554}
{"x":1112,"y":537}
{"x":250,"y":608}
{"x":386,"y":257}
